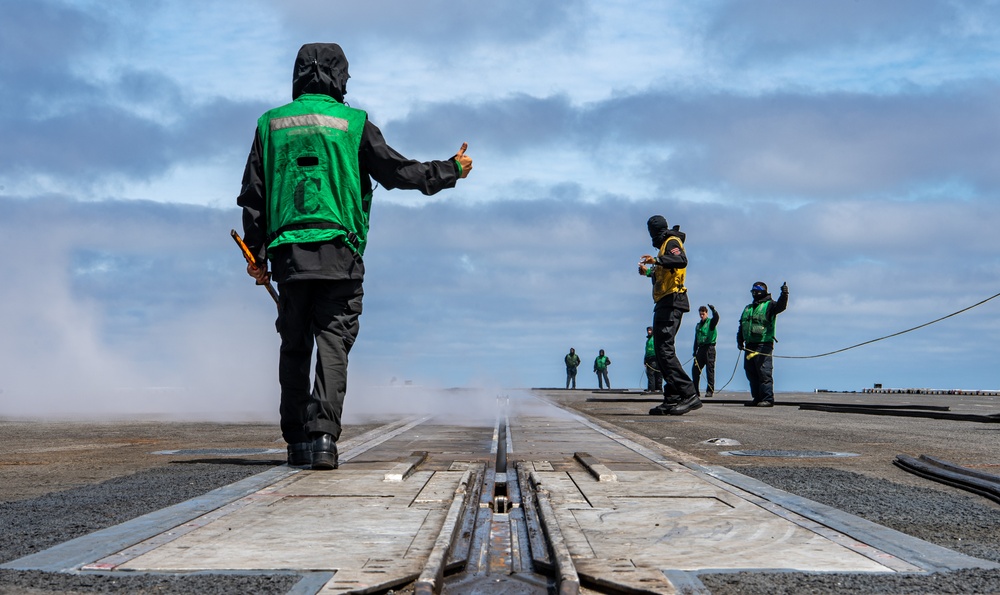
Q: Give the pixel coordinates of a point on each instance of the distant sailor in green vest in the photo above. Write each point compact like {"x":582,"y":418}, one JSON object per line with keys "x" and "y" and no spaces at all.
{"x":654,"y":380}
{"x":306,"y":199}
{"x":706,"y":333}
{"x":601,"y":369}
{"x":572,"y":363}
{"x":755,"y":337}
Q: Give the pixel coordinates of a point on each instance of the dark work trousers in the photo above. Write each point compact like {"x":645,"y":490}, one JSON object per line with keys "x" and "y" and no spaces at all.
{"x":603,"y":375}
{"x":676,"y":383}
{"x":654,"y":380}
{"x":325,"y":314}
{"x":704,"y":359}
{"x":759,"y":371}
{"x":570,"y":376}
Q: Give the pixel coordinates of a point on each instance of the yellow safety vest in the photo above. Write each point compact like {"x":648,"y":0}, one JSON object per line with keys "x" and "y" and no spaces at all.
{"x":666,"y":280}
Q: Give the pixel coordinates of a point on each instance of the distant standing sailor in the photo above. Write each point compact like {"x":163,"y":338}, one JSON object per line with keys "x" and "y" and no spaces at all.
{"x":572,"y":363}
{"x":654,"y":380}
{"x":706,"y":333}
{"x":601,"y":369}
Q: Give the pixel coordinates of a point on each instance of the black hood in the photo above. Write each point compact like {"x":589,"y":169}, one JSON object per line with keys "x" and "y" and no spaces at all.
{"x":660,"y":230}
{"x":320,"y":68}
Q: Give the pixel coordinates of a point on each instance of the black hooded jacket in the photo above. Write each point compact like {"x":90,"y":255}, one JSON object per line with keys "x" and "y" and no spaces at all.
{"x":321,"y":68}
{"x":659,"y":232}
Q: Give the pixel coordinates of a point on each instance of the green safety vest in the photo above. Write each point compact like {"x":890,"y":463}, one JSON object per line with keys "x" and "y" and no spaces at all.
{"x":704,"y":334}
{"x":312,"y":173}
{"x":755,"y":325}
{"x":650,"y":349}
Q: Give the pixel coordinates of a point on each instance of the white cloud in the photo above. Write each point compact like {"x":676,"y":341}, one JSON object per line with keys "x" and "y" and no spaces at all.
{"x":849,"y":150}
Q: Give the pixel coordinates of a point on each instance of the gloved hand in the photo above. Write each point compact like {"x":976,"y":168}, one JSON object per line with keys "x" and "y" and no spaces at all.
{"x":711,"y":307}
{"x":463,"y":160}
{"x":259,"y":273}
{"x":784,"y":288}
{"x":739,"y":345}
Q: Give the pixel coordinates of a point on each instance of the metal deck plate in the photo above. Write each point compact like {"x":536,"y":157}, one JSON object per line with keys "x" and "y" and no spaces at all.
{"x":353,"y":522}
{"x":657,"y":519}
{"x":665,"y":520}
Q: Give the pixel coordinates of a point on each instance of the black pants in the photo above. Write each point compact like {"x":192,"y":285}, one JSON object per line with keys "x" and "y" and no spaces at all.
{"x":704,"y":359}
{"x":676,"y":383}
{"x":654,"y":380}
{"x":324,"y":314}
{"x":759,"y":370}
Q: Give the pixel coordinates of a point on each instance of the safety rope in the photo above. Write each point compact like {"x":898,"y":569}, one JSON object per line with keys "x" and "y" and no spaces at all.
{"x":751,"y":354}
{"x":642,"y":376}
{"x":731,"y":376}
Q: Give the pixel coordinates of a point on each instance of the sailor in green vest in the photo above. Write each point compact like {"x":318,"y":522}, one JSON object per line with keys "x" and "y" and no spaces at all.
{"x":601,"y":369}
{"x":755,"y":337}
{"x":306,"y":199}
{"x":668,"y":270}
{"x":706,"y":333}
{"x":654,"y":380}
{"x":572,"y":363}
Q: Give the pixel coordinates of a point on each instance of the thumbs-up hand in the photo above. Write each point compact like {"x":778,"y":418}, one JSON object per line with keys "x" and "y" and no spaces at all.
{"x":464,"y":161}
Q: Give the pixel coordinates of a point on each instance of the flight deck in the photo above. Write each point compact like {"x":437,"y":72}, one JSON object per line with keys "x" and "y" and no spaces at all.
{"x":533,"y":498}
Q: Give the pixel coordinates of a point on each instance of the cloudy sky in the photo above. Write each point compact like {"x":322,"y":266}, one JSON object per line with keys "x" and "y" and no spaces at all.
{"x":849,"y":149}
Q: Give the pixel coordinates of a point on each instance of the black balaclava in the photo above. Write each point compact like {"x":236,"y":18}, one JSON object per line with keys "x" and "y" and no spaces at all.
{"x":658,"y":229}
{"x":759,"y":291}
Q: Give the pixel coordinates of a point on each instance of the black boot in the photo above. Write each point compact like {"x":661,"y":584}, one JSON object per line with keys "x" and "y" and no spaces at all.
{"x":300,"y":454}
{"x":689,"y":404}
{"x":324,"y":452}
{"x":666,"y":406}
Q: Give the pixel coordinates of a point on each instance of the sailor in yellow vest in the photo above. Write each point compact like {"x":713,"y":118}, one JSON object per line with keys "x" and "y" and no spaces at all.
{"x":306,"y":198}
{"x":667,"y":270}
{"x":756,"y":336}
